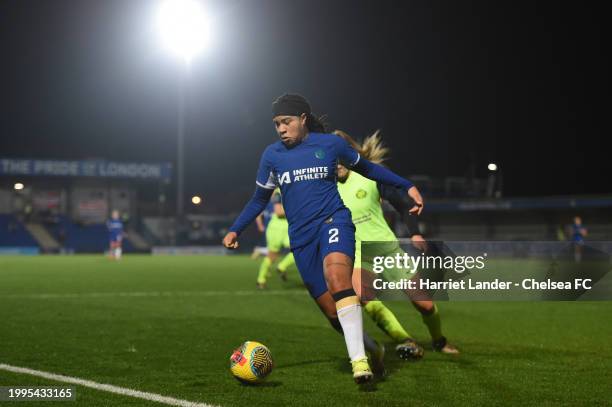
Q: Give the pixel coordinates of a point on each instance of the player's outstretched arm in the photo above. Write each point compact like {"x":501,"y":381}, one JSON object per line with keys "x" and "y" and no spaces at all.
{"x":279,"y":210}
{"x":260,"y":223}
{"x":415,"y":194}
{"x":403,"y":204}
{"x":251,"y":210}
{"x":385,"y":176}
{"x":351,"y":158}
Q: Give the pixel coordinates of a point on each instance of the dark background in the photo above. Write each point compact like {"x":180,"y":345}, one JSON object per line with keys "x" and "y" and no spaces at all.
{"x":453,"y":85}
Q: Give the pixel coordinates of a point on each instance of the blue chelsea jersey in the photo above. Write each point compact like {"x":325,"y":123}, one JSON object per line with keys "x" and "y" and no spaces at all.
{"x":306,"y":176}
{"x":577,"y":233}
{"x":115,"y":227}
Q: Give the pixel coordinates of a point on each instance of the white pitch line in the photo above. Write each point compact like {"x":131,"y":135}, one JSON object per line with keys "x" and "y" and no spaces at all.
{"x":154,"y":294}
{"x":171,"y":401}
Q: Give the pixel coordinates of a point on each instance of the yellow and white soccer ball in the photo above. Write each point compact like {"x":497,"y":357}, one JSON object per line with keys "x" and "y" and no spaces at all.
{"x":251,"y":362}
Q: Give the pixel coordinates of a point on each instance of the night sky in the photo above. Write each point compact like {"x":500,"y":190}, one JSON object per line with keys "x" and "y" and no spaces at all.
{"x":453,"y":85}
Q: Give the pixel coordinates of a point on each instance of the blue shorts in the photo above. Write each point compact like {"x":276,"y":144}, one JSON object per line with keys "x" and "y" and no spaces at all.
{"x":337,"y":234}
{"x":116,"y":239}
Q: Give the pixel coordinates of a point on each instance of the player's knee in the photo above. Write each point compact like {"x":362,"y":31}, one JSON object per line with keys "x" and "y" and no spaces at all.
{"x":338,"y":274}
{"x":424,"y":307}
{"x":338,"y":281}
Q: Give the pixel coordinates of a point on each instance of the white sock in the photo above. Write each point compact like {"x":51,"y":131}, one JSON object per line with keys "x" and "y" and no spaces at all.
{"x":352,"y":325}
{"x":118,"y":253}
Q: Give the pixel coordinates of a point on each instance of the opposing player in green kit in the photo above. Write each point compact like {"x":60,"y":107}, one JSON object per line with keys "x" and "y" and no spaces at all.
{"x":277,"y":239}
{"x":363,"y":197}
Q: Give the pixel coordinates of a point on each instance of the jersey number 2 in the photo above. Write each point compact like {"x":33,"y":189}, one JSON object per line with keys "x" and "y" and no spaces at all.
{"x":333,"y":235}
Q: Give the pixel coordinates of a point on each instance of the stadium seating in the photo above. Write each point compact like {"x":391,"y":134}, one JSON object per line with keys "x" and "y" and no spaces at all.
{"x":522,"y":232}
{"x":13,"y":233}
{"x":80,"y":238}
{"x":599,"y":232}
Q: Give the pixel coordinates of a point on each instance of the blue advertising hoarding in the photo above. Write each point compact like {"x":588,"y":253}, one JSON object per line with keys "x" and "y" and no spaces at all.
{"x":86,"y":168}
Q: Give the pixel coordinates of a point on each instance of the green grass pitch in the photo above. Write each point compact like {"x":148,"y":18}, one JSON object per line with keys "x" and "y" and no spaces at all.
{"x":168,"y":325}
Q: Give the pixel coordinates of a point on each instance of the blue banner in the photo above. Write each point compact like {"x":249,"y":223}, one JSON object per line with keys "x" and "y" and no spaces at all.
{"x":73,"y":168}
{"x":519,"y":204}
{"x":19,"y":250}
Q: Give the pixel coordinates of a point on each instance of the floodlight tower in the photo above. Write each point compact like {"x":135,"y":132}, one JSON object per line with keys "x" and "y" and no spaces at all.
{"x":494,"y":187}
{"x":183,"y":28}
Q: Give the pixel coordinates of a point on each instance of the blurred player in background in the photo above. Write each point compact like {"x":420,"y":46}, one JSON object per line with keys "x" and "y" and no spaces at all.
{"x":262,"y":223}
{"x":363,"y":197}
{"x":303,"y":165}
{"x":578,"y":232}
{"x":115,"y":234}
{"x":277,"y":239}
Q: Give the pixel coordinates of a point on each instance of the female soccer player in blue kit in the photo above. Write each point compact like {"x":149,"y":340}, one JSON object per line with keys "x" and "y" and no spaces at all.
{"x":115,"y":234}
{"x":303,"y":165}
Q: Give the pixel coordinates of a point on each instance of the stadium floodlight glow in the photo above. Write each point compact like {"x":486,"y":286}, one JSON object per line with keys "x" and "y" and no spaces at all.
{"x":492,"y":167}
{"x":196,"y":200}
{"x":18,"y":186}
{"x":183,"y":27}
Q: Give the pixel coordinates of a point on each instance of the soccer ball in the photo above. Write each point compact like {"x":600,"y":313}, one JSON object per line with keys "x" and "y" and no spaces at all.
{"x":251,"y":362}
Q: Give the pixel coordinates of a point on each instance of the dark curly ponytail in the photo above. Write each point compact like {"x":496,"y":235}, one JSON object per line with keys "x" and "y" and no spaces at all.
{"x":316,"y":125}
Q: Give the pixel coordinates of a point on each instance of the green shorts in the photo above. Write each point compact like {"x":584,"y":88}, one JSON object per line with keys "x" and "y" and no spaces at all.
{"x":277,"y":235}
{"x":364,"y":259}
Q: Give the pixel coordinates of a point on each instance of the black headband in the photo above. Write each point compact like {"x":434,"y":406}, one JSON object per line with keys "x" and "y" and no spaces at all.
{"x":290,"y":105}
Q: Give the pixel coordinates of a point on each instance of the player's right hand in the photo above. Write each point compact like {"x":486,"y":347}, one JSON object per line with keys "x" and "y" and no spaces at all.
{"x":230,"y":240}
{"x":414,"y":193}
{"x":419,"y":243}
